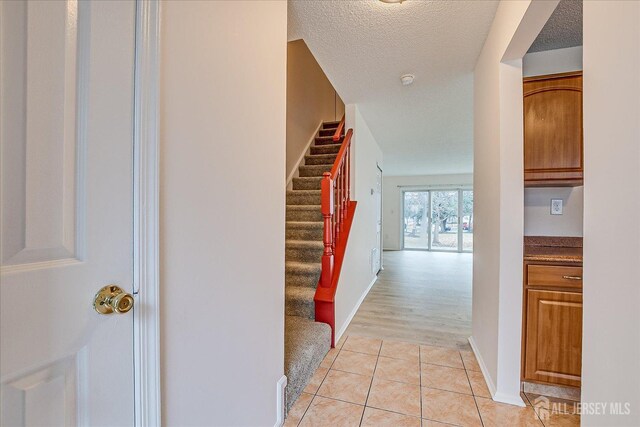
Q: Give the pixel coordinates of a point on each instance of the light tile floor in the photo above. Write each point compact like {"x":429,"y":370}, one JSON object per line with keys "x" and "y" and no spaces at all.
{"x":371,"y":382}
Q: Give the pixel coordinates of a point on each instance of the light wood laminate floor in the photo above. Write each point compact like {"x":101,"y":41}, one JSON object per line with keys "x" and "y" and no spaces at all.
{"x":421,"y":297}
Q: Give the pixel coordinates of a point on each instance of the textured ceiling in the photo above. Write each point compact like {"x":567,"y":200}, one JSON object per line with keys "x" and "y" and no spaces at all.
{"x":563,"y":29}
{"x":365,"y":46}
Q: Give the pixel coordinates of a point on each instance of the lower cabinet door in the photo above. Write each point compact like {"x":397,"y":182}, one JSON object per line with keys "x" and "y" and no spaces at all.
{"x":553,"y":351}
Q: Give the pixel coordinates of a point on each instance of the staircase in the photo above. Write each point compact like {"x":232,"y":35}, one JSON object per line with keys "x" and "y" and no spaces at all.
{"x":306,"y":341}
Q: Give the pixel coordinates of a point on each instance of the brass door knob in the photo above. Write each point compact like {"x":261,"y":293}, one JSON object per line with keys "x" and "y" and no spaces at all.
{"x":112,"y":299}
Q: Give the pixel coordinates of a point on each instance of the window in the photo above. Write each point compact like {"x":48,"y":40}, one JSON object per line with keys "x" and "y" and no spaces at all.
{"x":439,"y":220}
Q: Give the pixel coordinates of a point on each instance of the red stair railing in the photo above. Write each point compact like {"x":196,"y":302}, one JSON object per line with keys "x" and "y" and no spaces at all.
{"x":338,"y":134}
{"x":337,"y":213}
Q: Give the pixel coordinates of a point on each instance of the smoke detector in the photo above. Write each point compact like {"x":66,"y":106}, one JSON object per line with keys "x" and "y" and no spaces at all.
{"x":407,"y":79}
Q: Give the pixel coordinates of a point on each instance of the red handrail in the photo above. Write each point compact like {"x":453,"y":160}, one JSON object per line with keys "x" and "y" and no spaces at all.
{"x":337,"y":213}
{"x":338,"y":134}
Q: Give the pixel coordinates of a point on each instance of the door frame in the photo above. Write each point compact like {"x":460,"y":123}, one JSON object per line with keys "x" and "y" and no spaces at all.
{"x":380,"y":240}
{"x":146,"y":322}
{"x":429,"y":189}
{"x":402,"y":208}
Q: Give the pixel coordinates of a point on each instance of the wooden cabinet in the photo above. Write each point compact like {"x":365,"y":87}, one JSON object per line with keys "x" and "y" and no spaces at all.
{"x":552,"y":329}
{"x":553,"y":146}
{"x":564,"y":276}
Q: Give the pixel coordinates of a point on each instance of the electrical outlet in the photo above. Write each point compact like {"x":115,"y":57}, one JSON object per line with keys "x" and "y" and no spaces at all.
{"x":556,"y":206}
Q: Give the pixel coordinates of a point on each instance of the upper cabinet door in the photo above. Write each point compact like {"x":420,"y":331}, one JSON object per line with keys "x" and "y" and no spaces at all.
{"x":553,"y":149}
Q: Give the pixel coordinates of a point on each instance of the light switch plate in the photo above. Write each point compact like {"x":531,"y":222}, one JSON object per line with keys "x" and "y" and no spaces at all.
{"x":556,"y":206}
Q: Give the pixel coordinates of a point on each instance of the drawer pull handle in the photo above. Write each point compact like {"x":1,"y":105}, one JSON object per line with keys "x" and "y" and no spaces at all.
{"x":572,"y":277}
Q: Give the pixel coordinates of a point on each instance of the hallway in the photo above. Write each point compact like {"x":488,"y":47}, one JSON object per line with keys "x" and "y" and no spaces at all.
{"x":421,"y":297}
{"x":405,"y":360}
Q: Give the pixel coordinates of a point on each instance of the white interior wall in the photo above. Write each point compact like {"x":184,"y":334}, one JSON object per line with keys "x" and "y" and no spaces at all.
{"x":611,"y":316}
{"x":222,"y":143}
{"x":538,"y":220}
{"x":311,"y":99}
{"x":393,"y":186}
{"x":552,"y":61}
{"x":357,"y":276}
{"x":499,"y":194}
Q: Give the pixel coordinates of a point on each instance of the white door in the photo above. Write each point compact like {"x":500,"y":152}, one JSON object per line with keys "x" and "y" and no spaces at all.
{"x":66,"y":87}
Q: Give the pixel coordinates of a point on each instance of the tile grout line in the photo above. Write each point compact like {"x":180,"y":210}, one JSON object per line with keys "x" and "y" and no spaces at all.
{"x":448,"y":391}
{"x":305,"y":411}
{"x":444,"y":366}
{"x":365,"y":407}
{"x":475,"y":400}
{"x":383,"y":355}
{"x":341,"y":400}
{"x":468,"y":379}
{"x":371,"y":383}
{"x":448,"y":367}
{"x":320,"y":385}
{"x":361,"y":352}
{"x":420,"y":379}
{"x":534,"y":409}
{"x":379,"y":355}
{"x":385,"y":379}
{"x":392,"y":411}
{"x":374,"y":407}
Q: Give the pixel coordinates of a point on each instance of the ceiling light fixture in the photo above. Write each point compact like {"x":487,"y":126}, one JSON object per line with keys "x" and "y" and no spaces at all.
{"x":407,"y":79}
{"x":391,"y":1}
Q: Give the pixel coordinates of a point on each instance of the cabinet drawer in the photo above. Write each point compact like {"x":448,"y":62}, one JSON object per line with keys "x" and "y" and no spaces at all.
{"x":554,"y":276}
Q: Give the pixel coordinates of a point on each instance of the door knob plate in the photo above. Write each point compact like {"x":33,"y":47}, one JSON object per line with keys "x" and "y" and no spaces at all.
{"x":112,"y":299}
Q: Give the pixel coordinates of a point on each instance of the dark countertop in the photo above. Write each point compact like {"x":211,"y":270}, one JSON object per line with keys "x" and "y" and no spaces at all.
{"x":553,"y":249}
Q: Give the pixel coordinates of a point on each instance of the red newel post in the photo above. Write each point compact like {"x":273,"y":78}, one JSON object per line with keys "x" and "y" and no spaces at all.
{"x":334,"y":206}
{"x":327,"y":205}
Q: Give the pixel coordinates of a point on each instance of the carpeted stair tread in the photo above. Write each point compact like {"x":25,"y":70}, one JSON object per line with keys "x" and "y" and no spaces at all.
{"x":307,"y":267}
{"x":303,"y":197}
{"x":320,"y":159}
{"x":303,"y":250}
{"x":327,"y":131}
{"x":299,"y":301}
{"x":326,"y":149}
{"x":325,"y":140}
{"x":331,"y":125}
{"x":307,"y":183}
{"x":303,"y":274}
{"x":305,"y":224}
{"x":304,"y":244}
{"x":313,"y":170}
{"x":304,"y":230}
{"x":301,"y":228}
{"x":306,"y":343}
{"x":303,"y":213}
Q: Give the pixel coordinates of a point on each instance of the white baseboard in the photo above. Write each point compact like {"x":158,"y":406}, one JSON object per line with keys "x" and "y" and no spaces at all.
{"x":344,"y":327}
{"x":280,"y":386}
{"x":294,"y":172}
{"x":508,"y":399}
{"x":483,"y":367}
{"x":495,"y":394}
